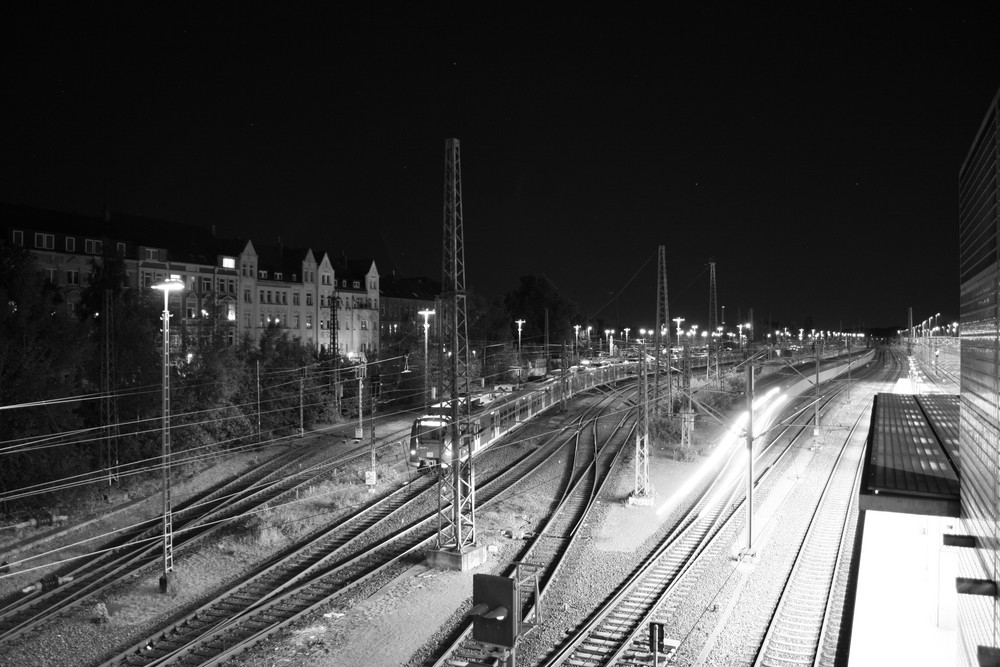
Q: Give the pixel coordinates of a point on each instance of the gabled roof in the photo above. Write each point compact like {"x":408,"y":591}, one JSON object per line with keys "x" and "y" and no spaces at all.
{"x":185,"y":243}
{"x":282,"y":258}
{"x":351,"y":269}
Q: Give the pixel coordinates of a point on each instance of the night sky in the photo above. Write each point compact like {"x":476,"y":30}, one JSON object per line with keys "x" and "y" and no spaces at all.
{"x":813,"y":154}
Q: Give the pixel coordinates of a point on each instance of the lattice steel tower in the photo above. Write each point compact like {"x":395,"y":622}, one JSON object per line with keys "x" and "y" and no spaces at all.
{"x":662,"y":322}
{"x":456,"y":483}
{"x":109,"y":402}
{"x":713,"y":319}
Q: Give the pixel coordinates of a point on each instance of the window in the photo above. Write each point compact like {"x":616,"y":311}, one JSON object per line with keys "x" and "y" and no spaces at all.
{"x":326,"y":278}
{"x":151,"y":254}
{"x":364,"y":325}
{"x":262,"y":274}
{"x":17,"y":237}
{"x":70,"y":244}
{"x":284,"y":298}
{"x":263,"y":320}
{"x":309,"y":321}
{"x":357,"y":284}
{"x":126,"y":281}
{"x":277,"y":275}
{"x":206,"y":284}
{"x":295,"y":298}
{"x":230,"y":311}
{"x":229,"y":262}
{"x":246,"y":320}
{"x":190,"y":311}
{"x":72,"y":277}
{"x":269,"y":296}
{"x":45,"y":241}
{"x":232,"y":285}
{"x":93,"y":247}
{"x":246,"y":296}
{"x":309,"y":299}
{"x":295,"y":277}
{"x":230,"y":337}
{"x":261,"y":296}
{"x":296,"y":322}
{"x":50,"y":275}
{"x":121,"y":249}
{"x":147,"y":279}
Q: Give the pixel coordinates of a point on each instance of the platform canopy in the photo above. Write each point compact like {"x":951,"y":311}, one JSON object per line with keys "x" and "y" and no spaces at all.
{"x":912,"y":458}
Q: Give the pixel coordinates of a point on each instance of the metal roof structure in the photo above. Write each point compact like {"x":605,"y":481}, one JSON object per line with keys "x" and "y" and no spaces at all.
{"x":912,"y":455}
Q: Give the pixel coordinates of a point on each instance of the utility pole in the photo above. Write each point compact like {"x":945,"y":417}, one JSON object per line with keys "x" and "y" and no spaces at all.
{"x":748,"y":551}
{"x":456,"y":537}
{"x":819,"y":353}
{"x":662,"y":324}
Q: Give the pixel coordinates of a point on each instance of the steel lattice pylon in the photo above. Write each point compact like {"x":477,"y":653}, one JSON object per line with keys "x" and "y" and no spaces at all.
{"x":643,"y":488}
{"x":456,"y":484}
{"x":109,"y":404}
{"x":687,"y":411}
{"x":713,"y":320}
{"x":662,"y":322}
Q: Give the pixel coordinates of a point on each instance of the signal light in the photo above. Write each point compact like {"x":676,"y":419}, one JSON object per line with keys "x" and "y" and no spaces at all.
{"x":496,"y":610}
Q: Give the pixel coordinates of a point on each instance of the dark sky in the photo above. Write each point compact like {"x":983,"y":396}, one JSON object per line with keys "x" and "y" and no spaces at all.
{"x":813,"y":154}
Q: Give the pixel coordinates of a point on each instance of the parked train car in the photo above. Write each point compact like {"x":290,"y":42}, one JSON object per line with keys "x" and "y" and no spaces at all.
{"x":501,"y":412}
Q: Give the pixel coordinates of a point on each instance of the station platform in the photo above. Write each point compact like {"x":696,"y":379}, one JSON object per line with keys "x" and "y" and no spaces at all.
{"x":901,"y":599}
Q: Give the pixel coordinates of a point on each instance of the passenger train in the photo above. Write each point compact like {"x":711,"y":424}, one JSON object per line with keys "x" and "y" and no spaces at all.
{"x":497,"y":413}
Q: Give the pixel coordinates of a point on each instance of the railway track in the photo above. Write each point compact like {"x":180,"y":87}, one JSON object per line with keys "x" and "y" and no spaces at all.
{"x":616,"y":633}
{"x":312,"y":575}
{"x":586,"y":476}
{"x":272,"y":482}
{"x":21,"y":614}
{"x":795,"y":632}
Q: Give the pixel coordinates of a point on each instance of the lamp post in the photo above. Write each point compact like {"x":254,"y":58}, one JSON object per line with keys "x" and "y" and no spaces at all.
{"x":172,"y":284}
{"x":519,"y":358}
{"x":626,"y":330}
{"x":576,"y":337}
{"x":427,"y":326}
{"x":678,"y":320}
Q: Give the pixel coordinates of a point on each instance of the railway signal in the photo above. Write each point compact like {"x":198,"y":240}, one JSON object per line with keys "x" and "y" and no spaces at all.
{"x":496,"y":610}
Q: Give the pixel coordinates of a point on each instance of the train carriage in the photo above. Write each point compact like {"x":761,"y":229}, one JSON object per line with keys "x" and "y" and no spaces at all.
{"x":495,"y":414}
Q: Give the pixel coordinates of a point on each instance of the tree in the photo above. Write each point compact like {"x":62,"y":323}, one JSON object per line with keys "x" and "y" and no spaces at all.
{"x":36,"y":364}
{"x":529,"y":302}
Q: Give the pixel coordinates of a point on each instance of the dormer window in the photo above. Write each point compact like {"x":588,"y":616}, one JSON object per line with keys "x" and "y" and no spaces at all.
{"x":262,"y":274}
{"x":357,"y":284}
{"x":229,"y":262}
{"x":277,"y":275}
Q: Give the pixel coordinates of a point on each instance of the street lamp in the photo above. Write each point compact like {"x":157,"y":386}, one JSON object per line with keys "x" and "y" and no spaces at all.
{"x":172,"y":284}
{"x":678,"y":320}
{"x":576,"y":337}
{"x":519,"y":359}
{"x":626,"y":330}
{"x":427,"y":326}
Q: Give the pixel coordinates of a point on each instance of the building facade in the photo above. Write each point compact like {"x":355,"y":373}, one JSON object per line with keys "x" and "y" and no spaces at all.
{"x":979,"y":241}
{"x":355,"y":296}
{"x":233,"y":288}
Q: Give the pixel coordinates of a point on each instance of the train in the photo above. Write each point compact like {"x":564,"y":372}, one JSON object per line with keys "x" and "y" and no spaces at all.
{"x":501,"y":411}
